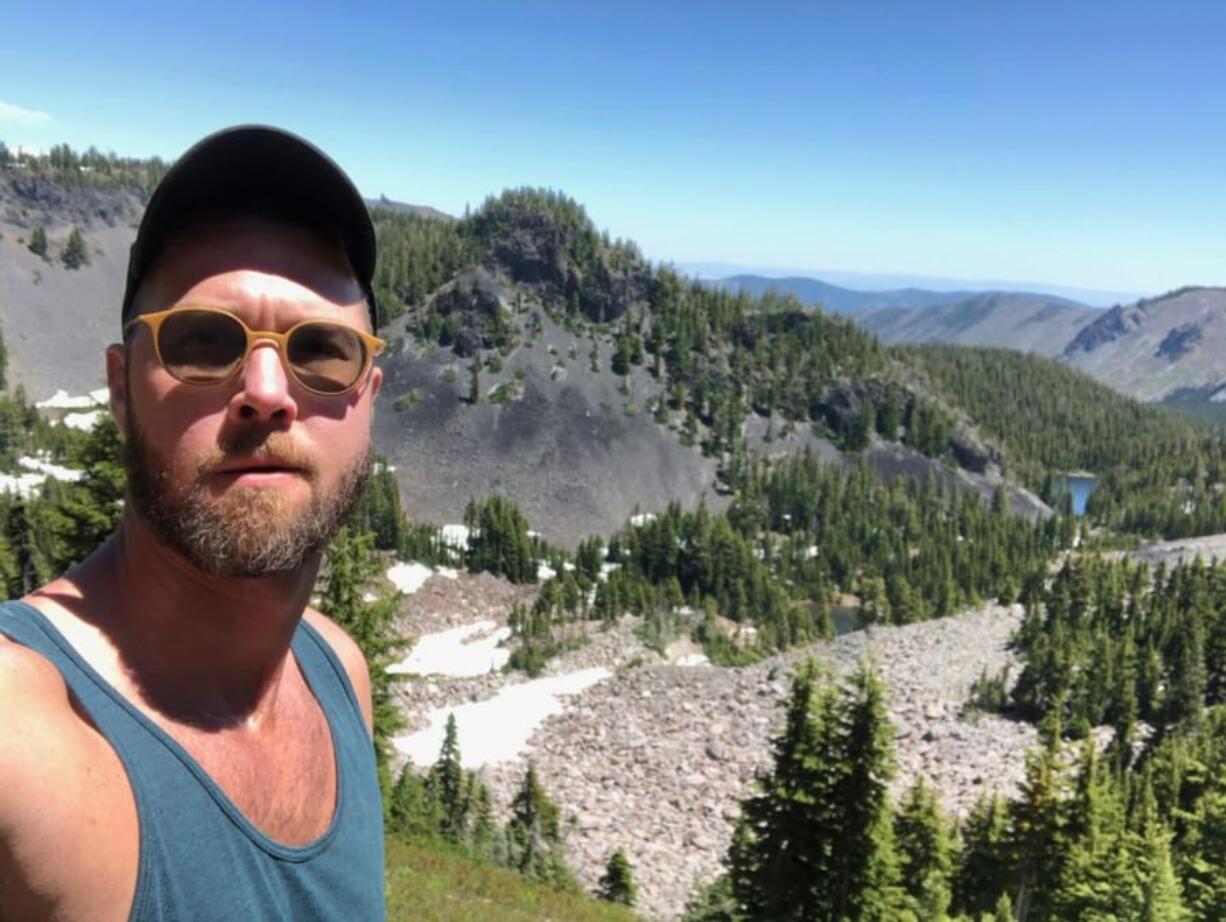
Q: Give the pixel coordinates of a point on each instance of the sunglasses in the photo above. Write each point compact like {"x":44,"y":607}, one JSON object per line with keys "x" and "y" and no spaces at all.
{"x":206,"y":345}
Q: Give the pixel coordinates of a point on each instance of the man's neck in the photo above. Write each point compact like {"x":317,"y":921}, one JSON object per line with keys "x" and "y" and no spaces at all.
{"x":200,"y":649}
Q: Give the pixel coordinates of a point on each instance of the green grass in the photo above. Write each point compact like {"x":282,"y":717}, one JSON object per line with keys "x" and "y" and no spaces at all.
{"x":426,"y":884}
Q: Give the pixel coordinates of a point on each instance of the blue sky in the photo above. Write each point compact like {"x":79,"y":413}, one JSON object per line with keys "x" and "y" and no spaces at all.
{"x":1068,"y":143}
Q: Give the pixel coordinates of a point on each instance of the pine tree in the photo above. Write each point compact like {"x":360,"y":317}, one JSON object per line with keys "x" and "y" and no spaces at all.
{"x":617,"y":883}
{"x":448,"y":779}
{"x":889,"y":420}
{"x":1039,"y":845}
{"x":925,"y":852}
{"x":90,"y":509}
{"x":474,"y":381}
{"x":712,"y":902}
{"x":484,"y":837}
{"x":413,"y":808}
{"x":1004,"y":909}
{"x":816,"y":842}
{"x":1203,"y":858}
{"x":779,"y":863}
{"x":1162,"y":900}
{"x":38,"y":241}
{"x":76,"y":253}
{"x":351,"y":568}
{"x":866,"y":861}
{"x":534,"y":834}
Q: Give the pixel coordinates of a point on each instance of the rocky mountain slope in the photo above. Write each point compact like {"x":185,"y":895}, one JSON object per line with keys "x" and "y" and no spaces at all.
{"x":1028,"y":323}
{"x":576,"y":454}
{"x":1157,"y":347}
{"x":655,"y":757}
{"x":55,"y":320}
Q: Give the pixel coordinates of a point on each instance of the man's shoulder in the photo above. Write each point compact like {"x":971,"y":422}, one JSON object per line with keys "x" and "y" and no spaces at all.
{"x":28,"y":678}
{"x":349,"y":653}
{"x":42,"y":737}
{"x":35,"y":707}
{"x":337,"y":637}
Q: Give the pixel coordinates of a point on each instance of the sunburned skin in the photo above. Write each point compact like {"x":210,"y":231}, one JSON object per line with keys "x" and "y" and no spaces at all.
{"x":205,"y":657}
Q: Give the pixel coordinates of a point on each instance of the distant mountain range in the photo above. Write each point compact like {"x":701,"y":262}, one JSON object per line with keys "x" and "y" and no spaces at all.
{"x":1026,"y":322}
{"x":1169,"y":349}
{"x":839,"y":300}
{"x":875,"y":281}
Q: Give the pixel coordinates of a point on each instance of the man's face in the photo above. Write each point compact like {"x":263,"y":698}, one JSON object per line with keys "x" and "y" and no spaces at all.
{"x":250,"y":477}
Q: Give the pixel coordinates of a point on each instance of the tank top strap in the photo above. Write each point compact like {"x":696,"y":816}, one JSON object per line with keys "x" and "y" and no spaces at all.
{"x":325,"y":673}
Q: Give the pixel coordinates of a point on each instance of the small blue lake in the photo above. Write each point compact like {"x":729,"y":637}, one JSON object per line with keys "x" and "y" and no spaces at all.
{"x":1079,"y":486}
{"x":845,"y":620}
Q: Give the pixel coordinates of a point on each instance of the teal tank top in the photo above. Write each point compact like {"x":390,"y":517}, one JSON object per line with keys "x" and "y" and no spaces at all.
{"x":200,"y":859}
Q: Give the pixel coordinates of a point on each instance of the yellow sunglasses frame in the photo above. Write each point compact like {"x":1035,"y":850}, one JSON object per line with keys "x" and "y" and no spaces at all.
{"x":374,"y":345}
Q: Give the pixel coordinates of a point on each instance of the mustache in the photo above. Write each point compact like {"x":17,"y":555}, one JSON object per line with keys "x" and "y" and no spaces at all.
{"x":253,"y":447}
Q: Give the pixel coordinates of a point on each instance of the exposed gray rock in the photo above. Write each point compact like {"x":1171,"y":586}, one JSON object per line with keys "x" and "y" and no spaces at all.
{"x":1179,"y":342}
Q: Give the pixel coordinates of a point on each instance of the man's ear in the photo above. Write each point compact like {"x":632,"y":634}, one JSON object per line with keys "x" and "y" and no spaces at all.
{"x":117,"y":381}
{"x":376,"y":382}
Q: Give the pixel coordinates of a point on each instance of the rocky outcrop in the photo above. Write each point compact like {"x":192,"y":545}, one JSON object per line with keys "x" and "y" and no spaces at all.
{"x":471,"y":306}
{"x":1179,"y":342}
{"x":28,"y":198}
{"x":547,"y":244}
{"x":972,"y":453}
{"x":1115,"y":323}
{"x":1208,"y":548}
{"x":1158,"y":348}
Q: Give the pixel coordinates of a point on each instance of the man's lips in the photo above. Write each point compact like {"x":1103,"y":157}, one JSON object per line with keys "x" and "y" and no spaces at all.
{"x":261,"y":467}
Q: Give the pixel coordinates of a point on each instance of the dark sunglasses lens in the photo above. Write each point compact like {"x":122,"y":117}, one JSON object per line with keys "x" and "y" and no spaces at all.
{"x":326,"y":357}
{"x":201,"y":347}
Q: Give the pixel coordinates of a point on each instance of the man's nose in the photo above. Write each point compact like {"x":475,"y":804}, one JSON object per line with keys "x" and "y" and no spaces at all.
{"x":264,"y":388}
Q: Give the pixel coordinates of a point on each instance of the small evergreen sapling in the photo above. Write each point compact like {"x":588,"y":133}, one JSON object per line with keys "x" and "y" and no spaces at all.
{"x":617,"y":883}
{"x":38,"y":241}
{"x":75,"y":254}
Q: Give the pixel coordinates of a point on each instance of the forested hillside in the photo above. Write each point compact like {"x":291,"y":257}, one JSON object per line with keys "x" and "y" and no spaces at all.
{"x":1160,"y":473}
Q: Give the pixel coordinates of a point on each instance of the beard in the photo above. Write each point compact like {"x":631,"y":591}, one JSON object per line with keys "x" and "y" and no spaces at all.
{"x":245,"y":533}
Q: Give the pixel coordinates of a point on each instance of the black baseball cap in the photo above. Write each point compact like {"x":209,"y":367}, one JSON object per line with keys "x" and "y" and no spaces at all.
{"x":261,"y":171}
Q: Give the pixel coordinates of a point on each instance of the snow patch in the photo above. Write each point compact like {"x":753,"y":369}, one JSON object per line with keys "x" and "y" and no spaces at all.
{"x":642,"y":518}
{"x":544,"y":572}
{"x":38,"y":469}
{"x":458,"y":651}
{"x":692,"y":659}
{"x":497,"y":729}
{"x":41,"y":465}
{"x":61,"y":400}
{"x":83,"y":421}
{"x":455,"y":536}
{"x":408,"y":577}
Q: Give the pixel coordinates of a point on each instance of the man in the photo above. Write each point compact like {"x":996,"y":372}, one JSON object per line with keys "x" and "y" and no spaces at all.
{"x":181,"y":735}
